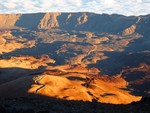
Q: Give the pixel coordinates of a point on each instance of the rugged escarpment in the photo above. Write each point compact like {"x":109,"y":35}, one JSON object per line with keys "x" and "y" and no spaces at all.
{"x":49,"y":21}
{"x":69,"y":21}
{"x":76,"y":21}
{"x":132,"y":28}
{"x":8,"y":21}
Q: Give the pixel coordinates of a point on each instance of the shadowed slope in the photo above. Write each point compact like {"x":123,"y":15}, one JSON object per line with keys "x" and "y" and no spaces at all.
{"x":29,"y":21}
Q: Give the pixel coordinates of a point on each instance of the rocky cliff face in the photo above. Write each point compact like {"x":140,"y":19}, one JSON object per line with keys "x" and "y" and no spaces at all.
{"x":8,"y":21}
{"x":76,"y":21}
{"x":69,"y":21}
{"x":130,"y":30}
{"x":49,"y":21}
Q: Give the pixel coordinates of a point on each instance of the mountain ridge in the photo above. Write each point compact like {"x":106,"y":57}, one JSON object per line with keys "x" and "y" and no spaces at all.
{"x":68,"y":21}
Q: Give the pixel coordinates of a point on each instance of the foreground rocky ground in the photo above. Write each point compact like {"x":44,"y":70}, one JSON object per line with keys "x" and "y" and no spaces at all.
{"x":51,"y":105}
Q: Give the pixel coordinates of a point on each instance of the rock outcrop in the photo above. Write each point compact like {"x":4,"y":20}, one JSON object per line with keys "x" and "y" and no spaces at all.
{"x":82,"y":19}
{"x":129,"y":30}
{"x":8,"y":21}
{"x":49,"y":21}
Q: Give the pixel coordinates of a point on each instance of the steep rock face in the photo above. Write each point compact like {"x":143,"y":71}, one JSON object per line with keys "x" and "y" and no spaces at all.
{"x":49,"y":21}
{"x":129,"y":30}
{"x":82,"y":19}
{"x":68,"y":21}
{"x":144,"y":26}
{"x":29,"y":21}
{"x":8,"y":21}
{"x":71,"y":21}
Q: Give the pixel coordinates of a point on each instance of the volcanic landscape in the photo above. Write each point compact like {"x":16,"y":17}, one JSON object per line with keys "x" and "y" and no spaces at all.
{"x":82,"y":60}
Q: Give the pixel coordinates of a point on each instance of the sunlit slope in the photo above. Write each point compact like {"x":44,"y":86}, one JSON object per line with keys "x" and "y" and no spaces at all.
{"x":71,"y":86}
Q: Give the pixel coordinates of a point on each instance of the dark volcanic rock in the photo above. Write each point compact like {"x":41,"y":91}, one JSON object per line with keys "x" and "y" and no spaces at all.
{"x":50,"y":105}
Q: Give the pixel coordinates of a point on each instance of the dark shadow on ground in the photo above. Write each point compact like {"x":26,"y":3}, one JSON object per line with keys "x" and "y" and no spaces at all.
{"x":119,"y":60}
{"x":13,"y":73}
{"x":45,"y":48}
{"x":111,"y":66}
{"x":41,"y":104}
{"x":140,"y":89}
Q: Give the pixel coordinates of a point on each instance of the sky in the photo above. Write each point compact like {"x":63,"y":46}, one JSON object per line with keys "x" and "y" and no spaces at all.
{"x":124,"y":7}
